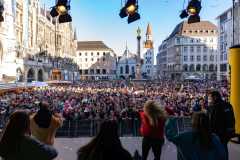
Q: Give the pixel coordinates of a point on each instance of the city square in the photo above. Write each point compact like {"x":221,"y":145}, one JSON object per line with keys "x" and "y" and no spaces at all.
{"x":101,"y":80}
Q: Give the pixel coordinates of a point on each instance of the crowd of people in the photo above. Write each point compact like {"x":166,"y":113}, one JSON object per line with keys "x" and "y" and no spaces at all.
{"x":30,"y":135}
{"x":113,"y":100}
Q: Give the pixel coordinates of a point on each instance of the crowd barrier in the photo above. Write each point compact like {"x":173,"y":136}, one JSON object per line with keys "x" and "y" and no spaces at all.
{"x":127,"y":127}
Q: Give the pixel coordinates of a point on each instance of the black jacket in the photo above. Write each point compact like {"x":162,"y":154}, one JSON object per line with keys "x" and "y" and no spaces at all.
{"x":221,"y":120}
{"x":109,"y":154}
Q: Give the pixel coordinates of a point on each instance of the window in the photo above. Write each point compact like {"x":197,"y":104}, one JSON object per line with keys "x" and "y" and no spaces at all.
{"x":121,"y":70}
{"x":98,"y":71}
{"x":104,"y":53}
{"x":127,"y":69}
{"x":198,"y":58}
{"x":185,"y":58}
{"x":86,"y":59}
{"x":191,"y":49}
{"x":185,"y":49}
{"x":178,"y":40}
{"x":205,"y":57}
{"x":198,"y":49}
{"x":86,"y":71}
{"x":212,"y":58}
{"x":92,"y":71}
{"x":198,"y":67}
{"x":104,"y":71}
{"x":205,"y":49}
{"x":80,"y":72}
{"x":92,"y":59}
{"x":192,"y":40}
{"x":133,"y":70}
{"x":86,"y":54}
{"x":191,"y":58}
{"x":98,"y":59}
{"x":80,"y":54}
{"x":92,"y":54}
{"x":103,"y":59}
{"x":98,"y":53}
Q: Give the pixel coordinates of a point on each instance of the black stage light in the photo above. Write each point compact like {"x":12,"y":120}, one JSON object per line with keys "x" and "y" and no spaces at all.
{"x":65,"y":18}
{"x":194,"y":19}
{"x":192,"y":12}
{"x":123,"y":13}
{"x":131,"y":10}
{"x":184,"y":14}
{"x":136,"y":16}
{"x":54,"y":12}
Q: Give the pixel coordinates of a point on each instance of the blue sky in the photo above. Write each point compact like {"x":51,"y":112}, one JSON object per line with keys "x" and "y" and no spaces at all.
{"x":99,"y":20}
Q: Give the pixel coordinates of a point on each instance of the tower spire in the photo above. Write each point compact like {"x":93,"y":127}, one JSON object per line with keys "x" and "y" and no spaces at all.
{"x":149,"y":41}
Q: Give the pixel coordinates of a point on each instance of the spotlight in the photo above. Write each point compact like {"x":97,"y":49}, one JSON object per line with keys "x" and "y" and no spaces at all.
{"x":62,"y":9}
{"x":184,"y":14}
{"x":131,"y":10}
{"x":64,"y":18}
{"x":136,"y":16}
{"x":192,"y":12}
{"x":123,"y":13}
{"x":194,"y":7}
{"x":194,"y":19}
{"x":54,"y":12}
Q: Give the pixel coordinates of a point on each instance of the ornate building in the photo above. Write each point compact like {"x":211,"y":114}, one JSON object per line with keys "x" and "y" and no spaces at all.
{"x":41,"y":50}
{"x":148,"y":55}
{"x":189,"y":51}
{"x":127,"y":65}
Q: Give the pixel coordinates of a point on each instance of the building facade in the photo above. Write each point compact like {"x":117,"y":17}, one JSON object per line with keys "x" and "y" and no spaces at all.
{"x":189,"y":51}
{"x":39,"y":43}
{"x":148,"y":55}
{"x":96,"y":61}
{"x":127,"y":65}
{"x":225,"y":38}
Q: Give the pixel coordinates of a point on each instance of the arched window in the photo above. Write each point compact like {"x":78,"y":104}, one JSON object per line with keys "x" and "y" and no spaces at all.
{"x":127,"y":69}
{"x":198,"y":68}
{"x":133,"y":69}
{"x":185,"y":67}
{"x":121,"y":70}
{"x":191,"y":68}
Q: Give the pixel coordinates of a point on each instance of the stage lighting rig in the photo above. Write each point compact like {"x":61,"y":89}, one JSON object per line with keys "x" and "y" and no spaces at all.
{"x":62,"y":10}
{"x":192,"y":11}
{"x":131,"y":10}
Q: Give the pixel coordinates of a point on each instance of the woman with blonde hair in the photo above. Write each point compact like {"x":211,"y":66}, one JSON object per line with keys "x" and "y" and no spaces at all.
{"x":153,"y":120}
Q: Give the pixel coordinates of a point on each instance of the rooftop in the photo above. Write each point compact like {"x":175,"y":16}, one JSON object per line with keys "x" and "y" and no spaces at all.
{"x":195,"y":29}
{"x":92,"y":45}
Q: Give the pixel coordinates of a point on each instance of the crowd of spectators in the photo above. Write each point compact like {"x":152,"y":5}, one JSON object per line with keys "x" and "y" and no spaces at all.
{"x":112,"y":100}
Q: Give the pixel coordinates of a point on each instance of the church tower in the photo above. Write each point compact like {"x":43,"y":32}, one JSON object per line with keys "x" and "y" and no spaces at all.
{"x":148,"y":54}
{"x":149,"y":40}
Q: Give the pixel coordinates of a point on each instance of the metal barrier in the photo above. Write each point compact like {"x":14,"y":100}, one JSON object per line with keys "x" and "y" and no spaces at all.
{"x":127,"y":127}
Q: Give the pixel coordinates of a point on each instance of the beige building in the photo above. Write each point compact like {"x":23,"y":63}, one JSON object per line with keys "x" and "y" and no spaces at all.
{"x":96,"y":61}
{"x":43,"y":48}
{"x":189,"y":52}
